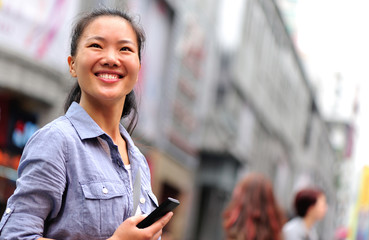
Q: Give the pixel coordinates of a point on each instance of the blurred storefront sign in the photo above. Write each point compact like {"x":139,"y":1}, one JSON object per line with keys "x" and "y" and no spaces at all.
{"x":23,"y":130}
{"x":359,"y":227}
{"x":191,"y":51}
{"x":9,"y":161}
{"x":17,"y":126}
{"x":40,"y":29}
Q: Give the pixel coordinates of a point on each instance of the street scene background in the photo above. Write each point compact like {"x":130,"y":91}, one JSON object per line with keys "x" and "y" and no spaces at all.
{"x":226,"y":88}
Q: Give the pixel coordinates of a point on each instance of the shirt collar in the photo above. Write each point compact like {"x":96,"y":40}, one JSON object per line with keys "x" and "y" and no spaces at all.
{"x":86,"y":127}
{"x":127,"y":137}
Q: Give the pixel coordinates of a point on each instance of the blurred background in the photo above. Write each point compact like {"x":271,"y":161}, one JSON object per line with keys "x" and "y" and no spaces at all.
{"x":226,"y":88}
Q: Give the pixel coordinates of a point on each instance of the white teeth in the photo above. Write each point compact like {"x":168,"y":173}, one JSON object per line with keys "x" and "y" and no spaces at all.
{"x":108,"y":76}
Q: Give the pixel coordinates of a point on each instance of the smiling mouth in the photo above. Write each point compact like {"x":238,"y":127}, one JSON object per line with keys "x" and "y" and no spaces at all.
{"x":108,"y":76}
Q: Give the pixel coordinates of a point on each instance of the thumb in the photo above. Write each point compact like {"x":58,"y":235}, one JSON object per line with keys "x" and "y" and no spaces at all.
{"x":138,"y":218}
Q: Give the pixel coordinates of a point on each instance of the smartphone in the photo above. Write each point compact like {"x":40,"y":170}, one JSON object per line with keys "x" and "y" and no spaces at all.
{"x":167,"y":206}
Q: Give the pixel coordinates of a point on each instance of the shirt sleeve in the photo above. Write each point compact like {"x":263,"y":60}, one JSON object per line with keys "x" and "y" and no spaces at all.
{"x":290,"y":232}
{"x":40,"y":186}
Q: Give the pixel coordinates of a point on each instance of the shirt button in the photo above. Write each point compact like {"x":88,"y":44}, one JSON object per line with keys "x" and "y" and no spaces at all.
{"x":8,"y":210}
{"x":142,"y":200}
{"x":105,"y":190}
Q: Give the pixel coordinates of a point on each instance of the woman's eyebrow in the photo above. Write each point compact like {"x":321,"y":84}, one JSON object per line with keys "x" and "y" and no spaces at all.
{"x":127,"y":41}
{"x":96,"y":38}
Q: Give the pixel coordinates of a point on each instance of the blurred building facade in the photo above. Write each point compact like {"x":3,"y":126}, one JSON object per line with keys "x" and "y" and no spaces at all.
{"x":32,"y":83}
{"x":334,"y":98}
{"x":289,"y":139}
{"x":207,"y":115}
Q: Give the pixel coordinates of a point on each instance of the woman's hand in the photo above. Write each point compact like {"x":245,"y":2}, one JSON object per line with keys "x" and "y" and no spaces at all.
{"x":129,"y":230}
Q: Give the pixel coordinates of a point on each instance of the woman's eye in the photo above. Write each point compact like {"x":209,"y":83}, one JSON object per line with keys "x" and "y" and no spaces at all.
{"x":125,"y":49}
{"x":95,"y":45}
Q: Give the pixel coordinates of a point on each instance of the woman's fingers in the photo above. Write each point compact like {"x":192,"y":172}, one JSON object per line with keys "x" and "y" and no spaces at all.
{"x":157,"y":235}
{"x":128,"y":229}
{"x":158,"y":225}
{"x":136,"y":219}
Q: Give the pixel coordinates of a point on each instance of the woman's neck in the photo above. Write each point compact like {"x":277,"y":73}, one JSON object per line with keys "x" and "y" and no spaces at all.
{"x":106,"y":116}
{"x":309,"y":222}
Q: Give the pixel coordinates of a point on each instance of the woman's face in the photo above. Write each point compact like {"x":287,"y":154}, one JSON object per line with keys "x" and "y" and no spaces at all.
{"x":106,"y":62}
{"x":320,"y":208}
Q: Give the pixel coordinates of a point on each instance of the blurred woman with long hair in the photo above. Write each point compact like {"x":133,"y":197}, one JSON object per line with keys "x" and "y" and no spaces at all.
{"x":253,"y":212}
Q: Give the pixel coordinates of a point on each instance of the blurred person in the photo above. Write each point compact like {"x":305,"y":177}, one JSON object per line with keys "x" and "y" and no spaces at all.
{"x":341,"y":233}
{"x":311,"y":206}
{"x":253,"y":212}
{"x":78,"y":174}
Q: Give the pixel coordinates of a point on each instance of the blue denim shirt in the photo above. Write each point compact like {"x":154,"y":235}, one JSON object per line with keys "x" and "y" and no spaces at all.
{"x":72,"y":183}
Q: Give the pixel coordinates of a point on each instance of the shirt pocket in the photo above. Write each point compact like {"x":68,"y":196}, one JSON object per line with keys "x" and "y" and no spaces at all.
{"x":104,"y":206}
{"x":148,"y":201}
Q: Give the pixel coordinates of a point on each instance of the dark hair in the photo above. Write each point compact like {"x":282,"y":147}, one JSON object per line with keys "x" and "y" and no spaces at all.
{"x":306,"y":198}
{"x":130,"y":104}
{"x":253,"y":212}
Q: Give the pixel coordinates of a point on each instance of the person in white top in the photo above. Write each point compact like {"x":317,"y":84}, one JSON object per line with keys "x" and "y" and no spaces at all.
{"x":311,"y":206}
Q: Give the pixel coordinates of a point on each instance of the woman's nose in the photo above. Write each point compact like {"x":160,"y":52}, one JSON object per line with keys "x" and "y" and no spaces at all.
{"x":111,"y":59}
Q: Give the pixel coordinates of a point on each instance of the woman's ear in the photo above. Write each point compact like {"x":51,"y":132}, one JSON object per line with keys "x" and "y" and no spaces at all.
{"x":71,"y":67}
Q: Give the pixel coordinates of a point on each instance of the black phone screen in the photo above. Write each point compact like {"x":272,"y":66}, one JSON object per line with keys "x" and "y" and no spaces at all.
{"x":167,"y":206}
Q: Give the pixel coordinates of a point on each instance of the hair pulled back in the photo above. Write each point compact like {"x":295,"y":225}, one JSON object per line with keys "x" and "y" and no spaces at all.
{"x":130,"y":104}
{"x":306,"y":198}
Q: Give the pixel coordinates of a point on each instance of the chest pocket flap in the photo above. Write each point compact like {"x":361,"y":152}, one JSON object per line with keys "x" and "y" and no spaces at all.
{"x":103,"y":190}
